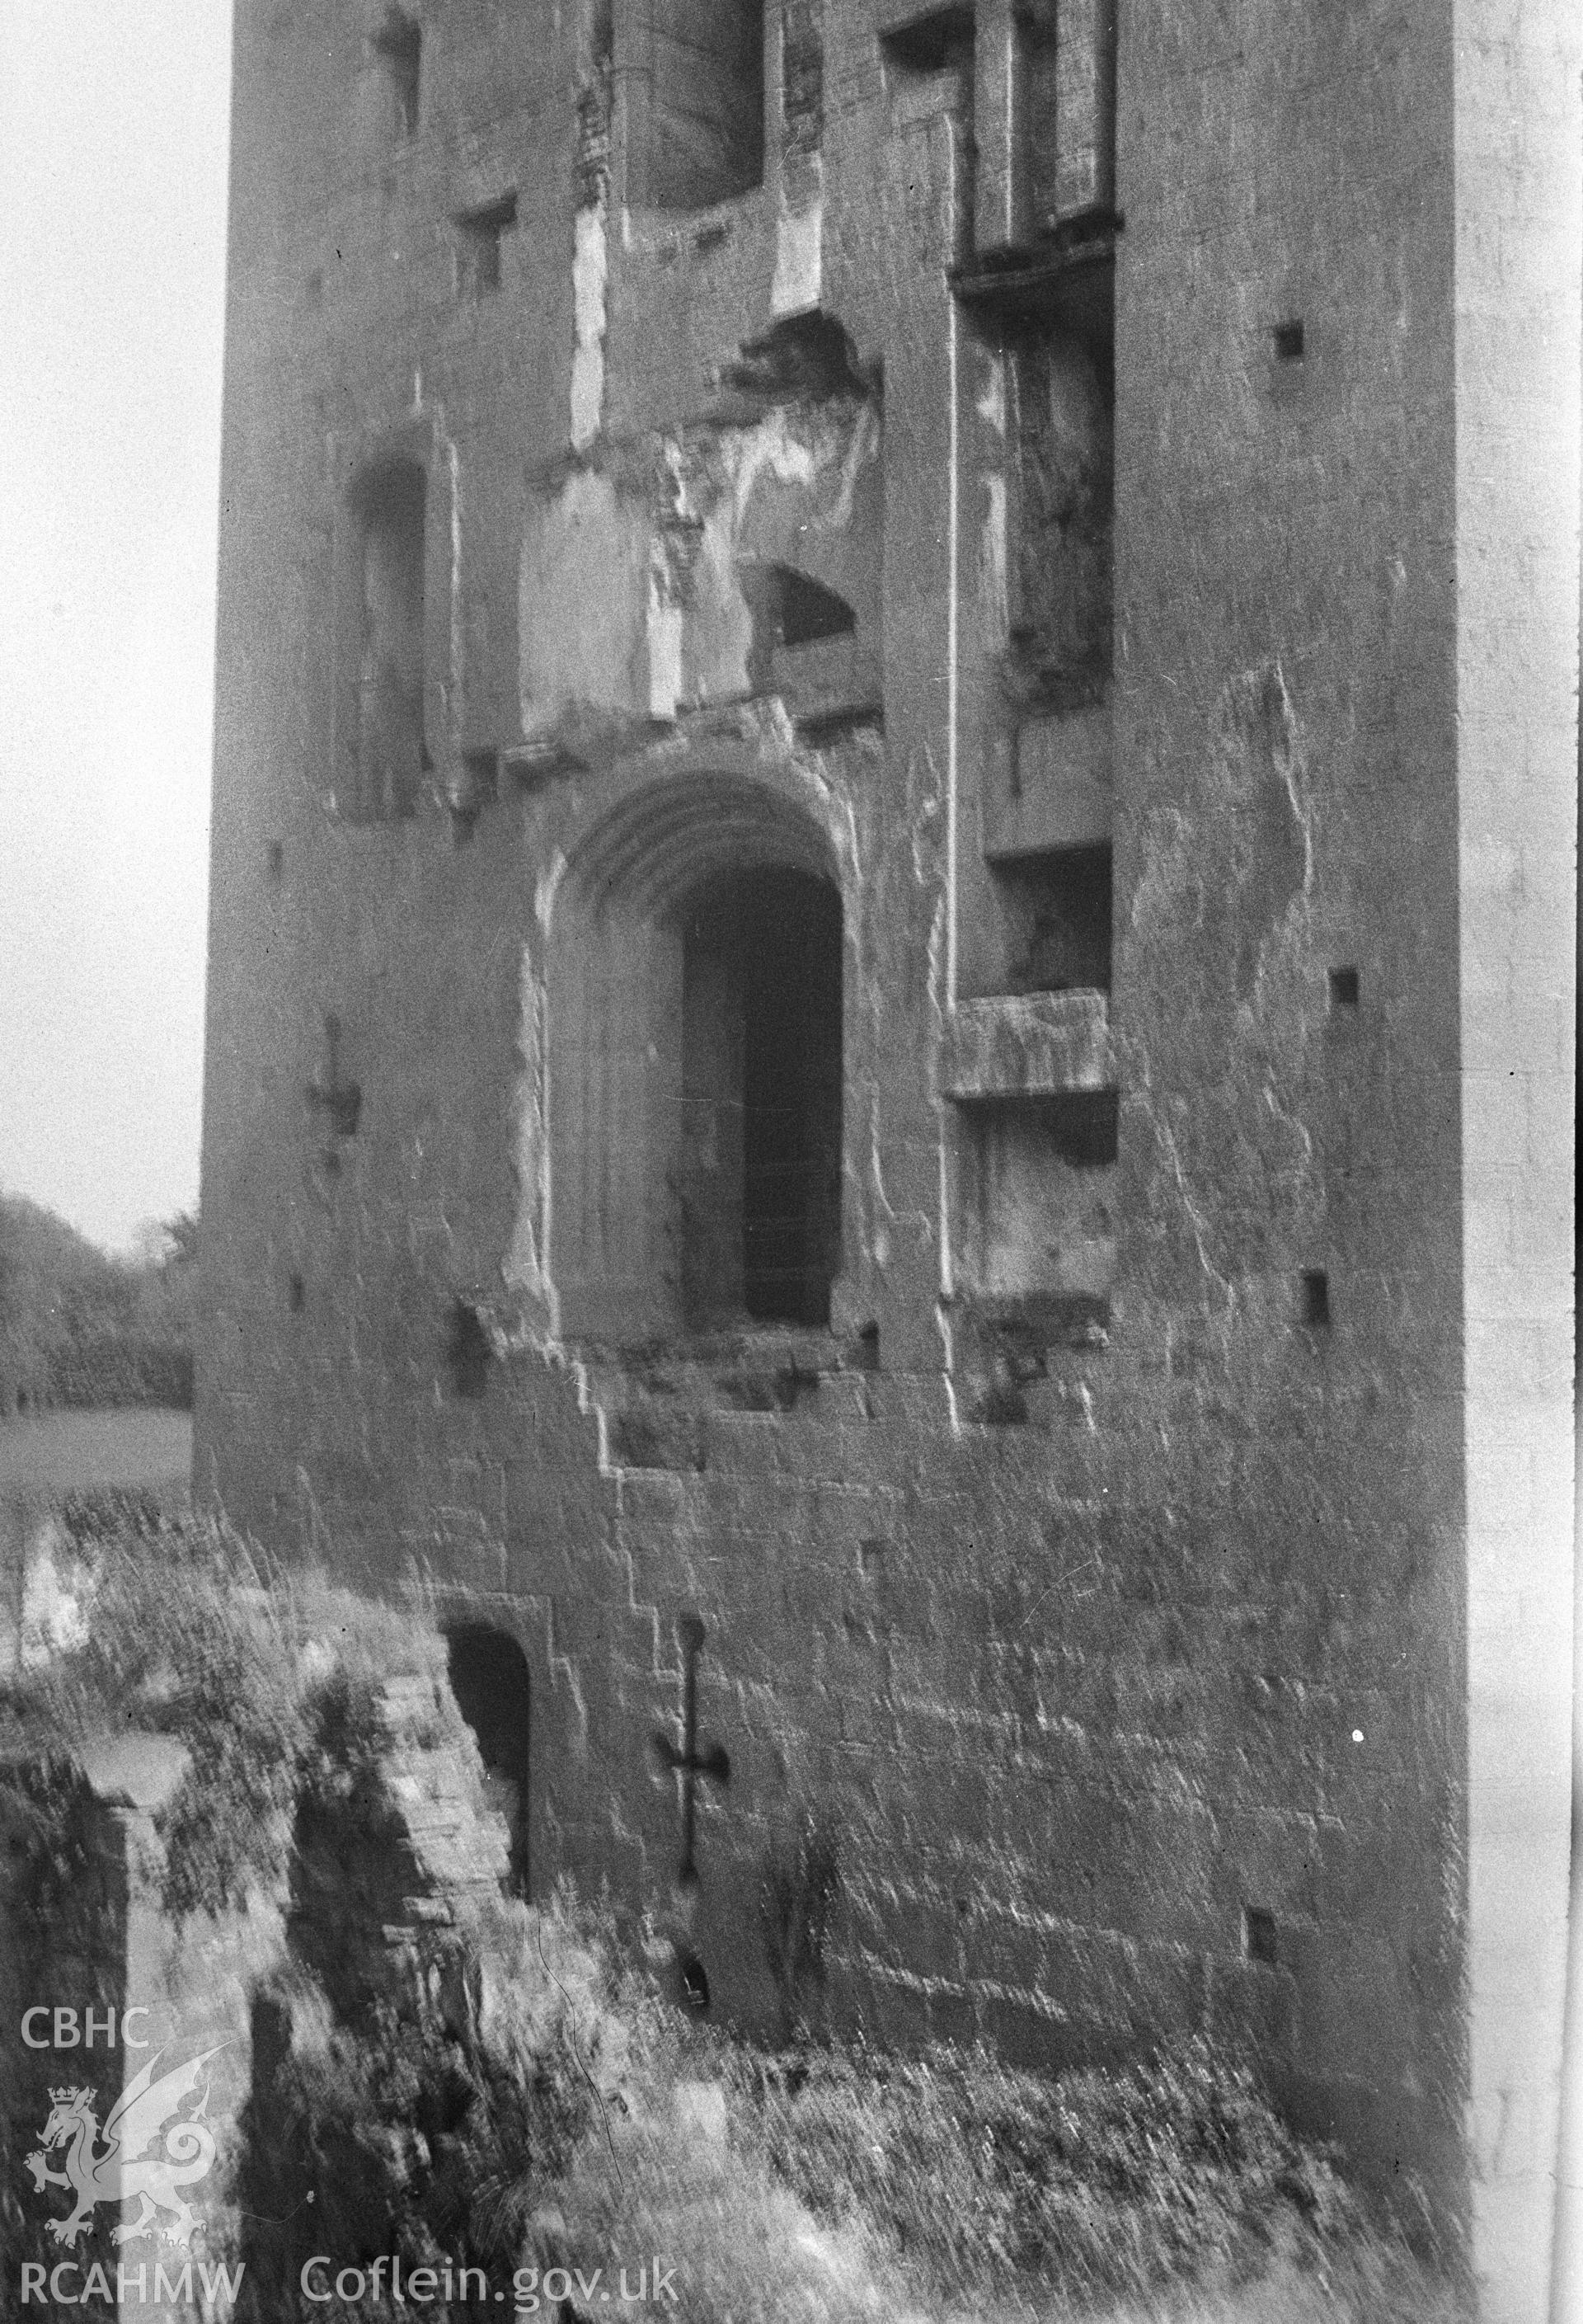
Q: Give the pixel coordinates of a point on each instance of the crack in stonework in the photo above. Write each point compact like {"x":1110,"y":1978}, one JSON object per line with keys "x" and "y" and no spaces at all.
{"x":1165,"y":1138}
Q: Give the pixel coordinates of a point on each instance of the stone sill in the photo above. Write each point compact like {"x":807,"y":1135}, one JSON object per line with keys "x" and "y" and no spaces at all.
{"x":1028,"y":1045}
{"x":1075,"y":1319}
{"x":667,"y":233}
{"x":1061,"y":254}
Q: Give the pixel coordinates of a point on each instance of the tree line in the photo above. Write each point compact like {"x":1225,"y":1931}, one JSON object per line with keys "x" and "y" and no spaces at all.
{"x":80,"y":1326}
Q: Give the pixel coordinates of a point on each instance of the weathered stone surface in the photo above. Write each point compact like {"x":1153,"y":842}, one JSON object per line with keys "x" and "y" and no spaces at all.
{"x":1034,"y":1044}
{"x":1197,"y":738}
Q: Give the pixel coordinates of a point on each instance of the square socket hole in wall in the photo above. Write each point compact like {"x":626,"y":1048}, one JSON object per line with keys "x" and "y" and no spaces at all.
{"x":1344,"y":992}
{"x":1258,"y":1934}
{"x":1288,"y":340}
{"x":480,"y":237}
{"x":1316,"y":1298}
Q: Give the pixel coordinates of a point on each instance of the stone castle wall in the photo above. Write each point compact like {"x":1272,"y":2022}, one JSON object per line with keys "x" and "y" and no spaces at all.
{"x":1047,"y":538}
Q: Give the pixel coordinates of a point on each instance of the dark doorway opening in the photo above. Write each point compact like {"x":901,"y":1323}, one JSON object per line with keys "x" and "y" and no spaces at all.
{"x":490,"y":1681}
{"x":761,"y":1083}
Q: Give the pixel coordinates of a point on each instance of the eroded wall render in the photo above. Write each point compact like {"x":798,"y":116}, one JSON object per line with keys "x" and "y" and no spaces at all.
{"x":1033,"y":513}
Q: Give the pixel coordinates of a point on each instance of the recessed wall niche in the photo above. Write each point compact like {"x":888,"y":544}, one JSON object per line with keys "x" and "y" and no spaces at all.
{"x":1034,"y":907}
{"x":1037,"y":1206}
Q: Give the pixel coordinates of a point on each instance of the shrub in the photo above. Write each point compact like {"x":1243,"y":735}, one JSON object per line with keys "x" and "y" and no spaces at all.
{"x":980,"y":2178}
{"x":519,"y":2106}
{"x":430,"y":2129}
{"x":187,"y":1636}
{"x":837,"y":2183}
{"x":1097,"y":2179}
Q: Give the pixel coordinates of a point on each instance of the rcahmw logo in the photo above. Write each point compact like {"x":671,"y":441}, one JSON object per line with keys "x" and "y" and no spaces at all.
{"x":153,"y":2146}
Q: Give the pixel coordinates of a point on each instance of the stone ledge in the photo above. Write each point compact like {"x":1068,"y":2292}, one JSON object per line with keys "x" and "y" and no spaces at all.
{"x":1028,"y":1045}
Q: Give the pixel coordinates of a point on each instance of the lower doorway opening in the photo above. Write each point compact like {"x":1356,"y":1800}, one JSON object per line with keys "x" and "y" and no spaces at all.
{"x":490,"y":1680}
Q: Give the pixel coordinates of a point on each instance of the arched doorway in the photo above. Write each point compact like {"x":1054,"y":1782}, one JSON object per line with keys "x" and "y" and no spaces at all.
{"x":492,"y":1683}
{"x":694,"y":1064}
{"x":759,"y":1181}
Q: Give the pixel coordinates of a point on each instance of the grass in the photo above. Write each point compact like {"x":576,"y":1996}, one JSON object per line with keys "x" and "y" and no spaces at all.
{"x":188,"y":1634}
{"x":949,"y":2187}
{"x":130,"y":1446}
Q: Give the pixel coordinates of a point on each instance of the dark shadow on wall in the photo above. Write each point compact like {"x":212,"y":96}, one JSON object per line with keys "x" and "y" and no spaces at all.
{"x":692,"y":78}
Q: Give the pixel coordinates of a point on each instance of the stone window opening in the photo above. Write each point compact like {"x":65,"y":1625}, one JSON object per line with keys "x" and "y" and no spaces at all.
{"x":1057,"y":910}
{"x":492,"y":1685}
{"x":468,"y":1350}
{"x":936,"y":40}
{"x":758,"y":1185}
{"x":790,"y":609}
{"x":399,"y":46}
{"x":1259,"y":1938}
{"x":690,"y":82}
{"x":1045,"y":925}
{"x":809,"y":610}
{"x":692,"y":1983}
{"x":389,"y":503}
{"x":1061,"y":419}
{"x":480,"y":238}
{"x":333,"y":1092}
{"x":928,"y":63}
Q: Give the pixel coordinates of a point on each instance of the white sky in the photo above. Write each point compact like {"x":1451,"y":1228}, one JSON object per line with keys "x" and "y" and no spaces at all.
{"x":112,"y":129}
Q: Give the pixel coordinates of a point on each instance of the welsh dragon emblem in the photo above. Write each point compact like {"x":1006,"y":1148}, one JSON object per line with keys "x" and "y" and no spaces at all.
{"x":123,"y":2172}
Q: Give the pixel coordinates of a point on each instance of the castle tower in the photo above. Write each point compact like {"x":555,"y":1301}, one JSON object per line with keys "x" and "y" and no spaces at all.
{"x":890,"y":1049}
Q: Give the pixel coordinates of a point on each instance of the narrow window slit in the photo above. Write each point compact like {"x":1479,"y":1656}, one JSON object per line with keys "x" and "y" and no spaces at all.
{"x":399,"y":46}
{"x":1258,"y":1934}
{"x":389,"y":505}
{"x":480,"y":236}
{"x":468,"y":1351}
{"x":336,"y":1095}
